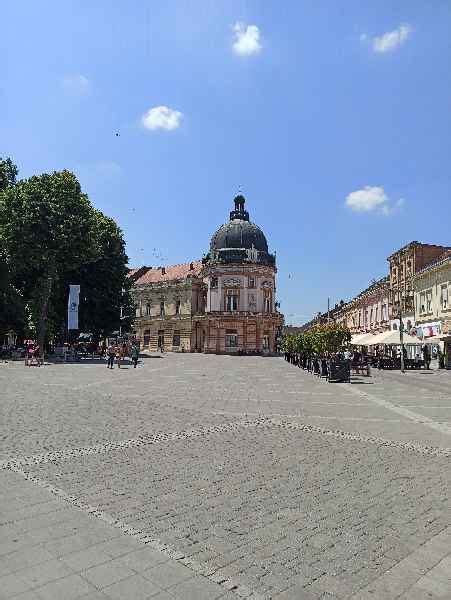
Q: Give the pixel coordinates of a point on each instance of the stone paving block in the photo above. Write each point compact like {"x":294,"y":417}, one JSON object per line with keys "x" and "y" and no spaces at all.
{"x":136,"y":587}
{"x":119,"y":546}
{"x":107,"y":573}
{"x":163,"y":596}
{"x":30,"y":595}
{"x":45,"y":572}
{"x":86,"y":558}
{"x":143,"y":559}
{"x":269,"y":495}
{"x":434,"y":586}
{"x":12,"y":584}
{"x":25,"y":557}
{"x":168,"y":574}
{"x":197,"y":588}
{"x":69,"y":588}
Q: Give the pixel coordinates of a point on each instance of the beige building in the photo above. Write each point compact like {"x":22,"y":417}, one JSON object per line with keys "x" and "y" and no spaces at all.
{"x":369,"y":311}
{"x":170,"y":305}
{"x":404,"y":264}
{"x":226,"y":304}
{"x":432,"y":297}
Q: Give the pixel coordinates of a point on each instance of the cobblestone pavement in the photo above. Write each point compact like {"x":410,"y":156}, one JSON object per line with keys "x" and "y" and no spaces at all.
{"x":258,"y":478}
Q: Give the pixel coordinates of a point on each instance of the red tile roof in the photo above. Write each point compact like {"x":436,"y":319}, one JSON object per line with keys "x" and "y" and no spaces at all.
{"x":173,"y":272}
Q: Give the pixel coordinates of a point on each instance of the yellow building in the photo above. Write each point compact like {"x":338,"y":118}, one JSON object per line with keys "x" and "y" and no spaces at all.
{"x":432,"y":297}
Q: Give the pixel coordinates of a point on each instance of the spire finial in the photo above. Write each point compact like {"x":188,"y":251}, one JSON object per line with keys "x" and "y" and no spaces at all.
{"x":239,"y":212}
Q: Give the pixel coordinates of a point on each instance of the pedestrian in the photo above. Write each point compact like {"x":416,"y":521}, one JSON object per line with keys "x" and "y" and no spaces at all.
{"x":426,"y":356}
{"x":135,"y":355}
{"x":110,"y":353}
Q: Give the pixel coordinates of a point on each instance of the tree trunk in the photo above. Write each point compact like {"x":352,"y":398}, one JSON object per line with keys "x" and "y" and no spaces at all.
{"x":43,"y":313}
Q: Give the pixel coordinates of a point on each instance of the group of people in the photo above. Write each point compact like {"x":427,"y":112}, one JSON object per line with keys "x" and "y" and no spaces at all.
{"x":118,"y":352}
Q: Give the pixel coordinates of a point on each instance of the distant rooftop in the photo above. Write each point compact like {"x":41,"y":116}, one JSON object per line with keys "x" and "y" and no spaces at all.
{"x":169,"y":273}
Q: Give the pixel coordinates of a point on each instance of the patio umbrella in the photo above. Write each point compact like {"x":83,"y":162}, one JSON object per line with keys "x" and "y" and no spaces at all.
{"x":393,"y":338}
{"x":362,"y":339}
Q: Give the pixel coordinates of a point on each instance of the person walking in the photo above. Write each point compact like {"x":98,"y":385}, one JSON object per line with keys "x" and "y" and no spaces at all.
{"x":426,"y":356}
{"x":135,"y":355}
{"x":111,"y":354}
{"x":118,"y":351}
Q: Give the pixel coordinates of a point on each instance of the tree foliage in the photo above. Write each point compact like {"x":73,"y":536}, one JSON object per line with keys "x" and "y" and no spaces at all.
{"x":321,"y":340}
{"x":53,"y":236}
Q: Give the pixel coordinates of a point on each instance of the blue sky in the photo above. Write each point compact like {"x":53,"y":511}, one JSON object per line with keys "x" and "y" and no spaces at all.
{"x":333,"y":116}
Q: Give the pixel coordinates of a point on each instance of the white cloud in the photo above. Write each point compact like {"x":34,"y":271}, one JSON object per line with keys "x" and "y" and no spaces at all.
{"x":372,"y":199}
{"x":247,"y":39}
{"x":391,"y":40}
{"x":161,"y":117}
{"x":76,"y":84}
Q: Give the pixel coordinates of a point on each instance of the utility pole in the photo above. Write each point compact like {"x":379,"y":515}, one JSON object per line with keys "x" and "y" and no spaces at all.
{"x":401,"y":332}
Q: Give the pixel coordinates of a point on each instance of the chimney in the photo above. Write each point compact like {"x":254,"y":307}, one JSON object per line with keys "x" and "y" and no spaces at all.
{"x":191,"y":266}
{"x":163,"y":270}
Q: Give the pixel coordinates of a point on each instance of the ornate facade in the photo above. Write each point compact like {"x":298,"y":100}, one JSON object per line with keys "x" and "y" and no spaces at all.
{"x":226,"y":304}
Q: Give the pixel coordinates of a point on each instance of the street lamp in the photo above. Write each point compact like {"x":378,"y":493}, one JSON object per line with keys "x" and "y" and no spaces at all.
{"x":401,"y":332}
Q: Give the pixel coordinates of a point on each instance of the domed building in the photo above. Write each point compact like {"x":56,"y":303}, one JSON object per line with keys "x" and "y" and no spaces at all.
{"x":239,"y":275}
{"x":225,"y":304}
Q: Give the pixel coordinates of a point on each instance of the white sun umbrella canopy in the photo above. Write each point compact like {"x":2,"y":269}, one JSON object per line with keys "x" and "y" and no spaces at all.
{"x":393,"y":338}
{"x":362,"y":339}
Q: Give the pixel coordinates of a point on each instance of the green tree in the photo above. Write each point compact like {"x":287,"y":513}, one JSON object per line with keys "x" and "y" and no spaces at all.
{"x":104,"y":286}
{"x":45,"y":223}
{"x":12,"y":308}
{"x":8,"y":173}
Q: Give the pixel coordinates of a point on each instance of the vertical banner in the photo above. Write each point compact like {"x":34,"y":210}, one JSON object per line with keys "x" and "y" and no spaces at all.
{"x":72,"y":307}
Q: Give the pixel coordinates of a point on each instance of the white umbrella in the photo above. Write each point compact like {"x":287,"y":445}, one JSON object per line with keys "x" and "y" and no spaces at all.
{"x":393,"y":338}
{"x":362,"y":339}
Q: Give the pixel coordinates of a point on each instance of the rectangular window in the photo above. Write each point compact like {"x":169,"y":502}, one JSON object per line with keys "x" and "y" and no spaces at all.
{"x":162,"y":308}
{"x":214,"y":283}
{"x":232,"y":302}
{"x":251,"y":282}
{"x":422,"y":303}
{"x":429,"y":301}
{"x":267,"y":301}
{"x":444,"y":296}
{"x":148,"y":307}
{"x":146,"y":338}
{"x":376,"y":318}
{"x":371,"y":316}
{"x":231,"y":338}
{"x":176,"y":338}
{"x":177,"y":307}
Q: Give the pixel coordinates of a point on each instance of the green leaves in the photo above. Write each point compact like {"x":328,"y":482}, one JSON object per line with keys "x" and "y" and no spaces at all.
{"x":52,"y":236}
{"x":323,"y":339}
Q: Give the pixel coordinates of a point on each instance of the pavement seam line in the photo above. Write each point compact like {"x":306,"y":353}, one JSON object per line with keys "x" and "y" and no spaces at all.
{"x":136,"y":534}
{"x":409,"y":414}
{"x":143,"y":440}
{"x":425,"y":450}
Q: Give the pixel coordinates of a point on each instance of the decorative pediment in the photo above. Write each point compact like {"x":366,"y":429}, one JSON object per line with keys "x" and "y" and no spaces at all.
{"x":232,"y":282}
{"x":266,"y":284}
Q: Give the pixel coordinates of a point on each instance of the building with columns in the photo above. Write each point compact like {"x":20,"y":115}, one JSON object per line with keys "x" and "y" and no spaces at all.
{"x":225,"y":304}
{"x":240,"y":280}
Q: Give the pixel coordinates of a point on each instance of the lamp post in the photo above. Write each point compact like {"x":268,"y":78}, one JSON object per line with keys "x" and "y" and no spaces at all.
{"x":401,"y":333}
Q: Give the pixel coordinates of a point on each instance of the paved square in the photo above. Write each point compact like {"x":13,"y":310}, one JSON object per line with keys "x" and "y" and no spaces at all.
{"x":207,"y":476}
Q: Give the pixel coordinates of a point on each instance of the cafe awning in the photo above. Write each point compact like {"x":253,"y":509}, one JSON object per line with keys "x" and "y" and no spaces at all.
{"x":393,"y":338}
{"x":362,"y":339}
